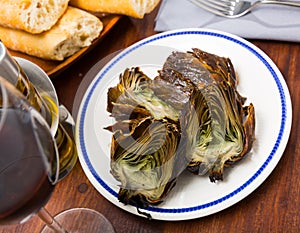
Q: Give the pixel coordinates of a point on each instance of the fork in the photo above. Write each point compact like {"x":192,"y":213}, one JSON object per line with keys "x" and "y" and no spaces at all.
{"x":236,"y":8}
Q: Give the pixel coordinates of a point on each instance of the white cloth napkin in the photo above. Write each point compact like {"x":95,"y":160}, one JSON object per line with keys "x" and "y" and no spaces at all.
{"x":270,"y":22}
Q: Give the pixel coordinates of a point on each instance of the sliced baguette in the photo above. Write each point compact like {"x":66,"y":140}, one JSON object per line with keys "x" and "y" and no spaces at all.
{"x":133,"y":8}
{"x":34,"y":16}
{"x":75,"y":30}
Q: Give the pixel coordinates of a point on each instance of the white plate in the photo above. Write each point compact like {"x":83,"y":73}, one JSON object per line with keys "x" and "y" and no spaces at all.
{"x":193,"y":196}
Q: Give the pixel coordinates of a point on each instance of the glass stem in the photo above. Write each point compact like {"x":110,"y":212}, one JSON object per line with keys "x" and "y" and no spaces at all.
{"x":50,"y":221}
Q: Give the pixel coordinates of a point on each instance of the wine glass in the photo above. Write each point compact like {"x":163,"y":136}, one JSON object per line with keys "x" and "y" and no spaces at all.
{"x":29,"y":169}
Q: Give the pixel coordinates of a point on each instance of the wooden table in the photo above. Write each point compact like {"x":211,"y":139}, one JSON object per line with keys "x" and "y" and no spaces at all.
{"x":273,"y":207}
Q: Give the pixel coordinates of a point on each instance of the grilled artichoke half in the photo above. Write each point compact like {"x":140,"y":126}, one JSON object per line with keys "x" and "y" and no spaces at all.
{"x":147,"y":152}
{"x":189,"y":116}
{"x":226,"y":127}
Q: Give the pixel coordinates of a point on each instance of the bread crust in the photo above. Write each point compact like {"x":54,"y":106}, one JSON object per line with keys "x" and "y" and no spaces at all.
{"x":75,"y":29}
{"x":34,"y":16}
{"x":133,"y":8}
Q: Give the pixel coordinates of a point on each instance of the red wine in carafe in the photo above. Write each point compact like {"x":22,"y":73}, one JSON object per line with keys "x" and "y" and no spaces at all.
{"x":24,"y":167}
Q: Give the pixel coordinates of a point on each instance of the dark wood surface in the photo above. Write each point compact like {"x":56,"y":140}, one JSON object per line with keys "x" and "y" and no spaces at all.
{"x":272,"y":207}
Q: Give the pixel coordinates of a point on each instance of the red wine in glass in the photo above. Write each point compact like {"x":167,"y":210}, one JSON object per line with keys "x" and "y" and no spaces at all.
{"x":25,"y":183}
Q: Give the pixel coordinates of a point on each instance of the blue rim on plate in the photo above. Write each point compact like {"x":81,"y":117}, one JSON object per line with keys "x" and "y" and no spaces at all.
{"x":284,"y":101}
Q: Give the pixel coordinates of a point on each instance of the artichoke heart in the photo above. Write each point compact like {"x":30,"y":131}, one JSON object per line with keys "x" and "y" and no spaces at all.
{"x":190,"y":116}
